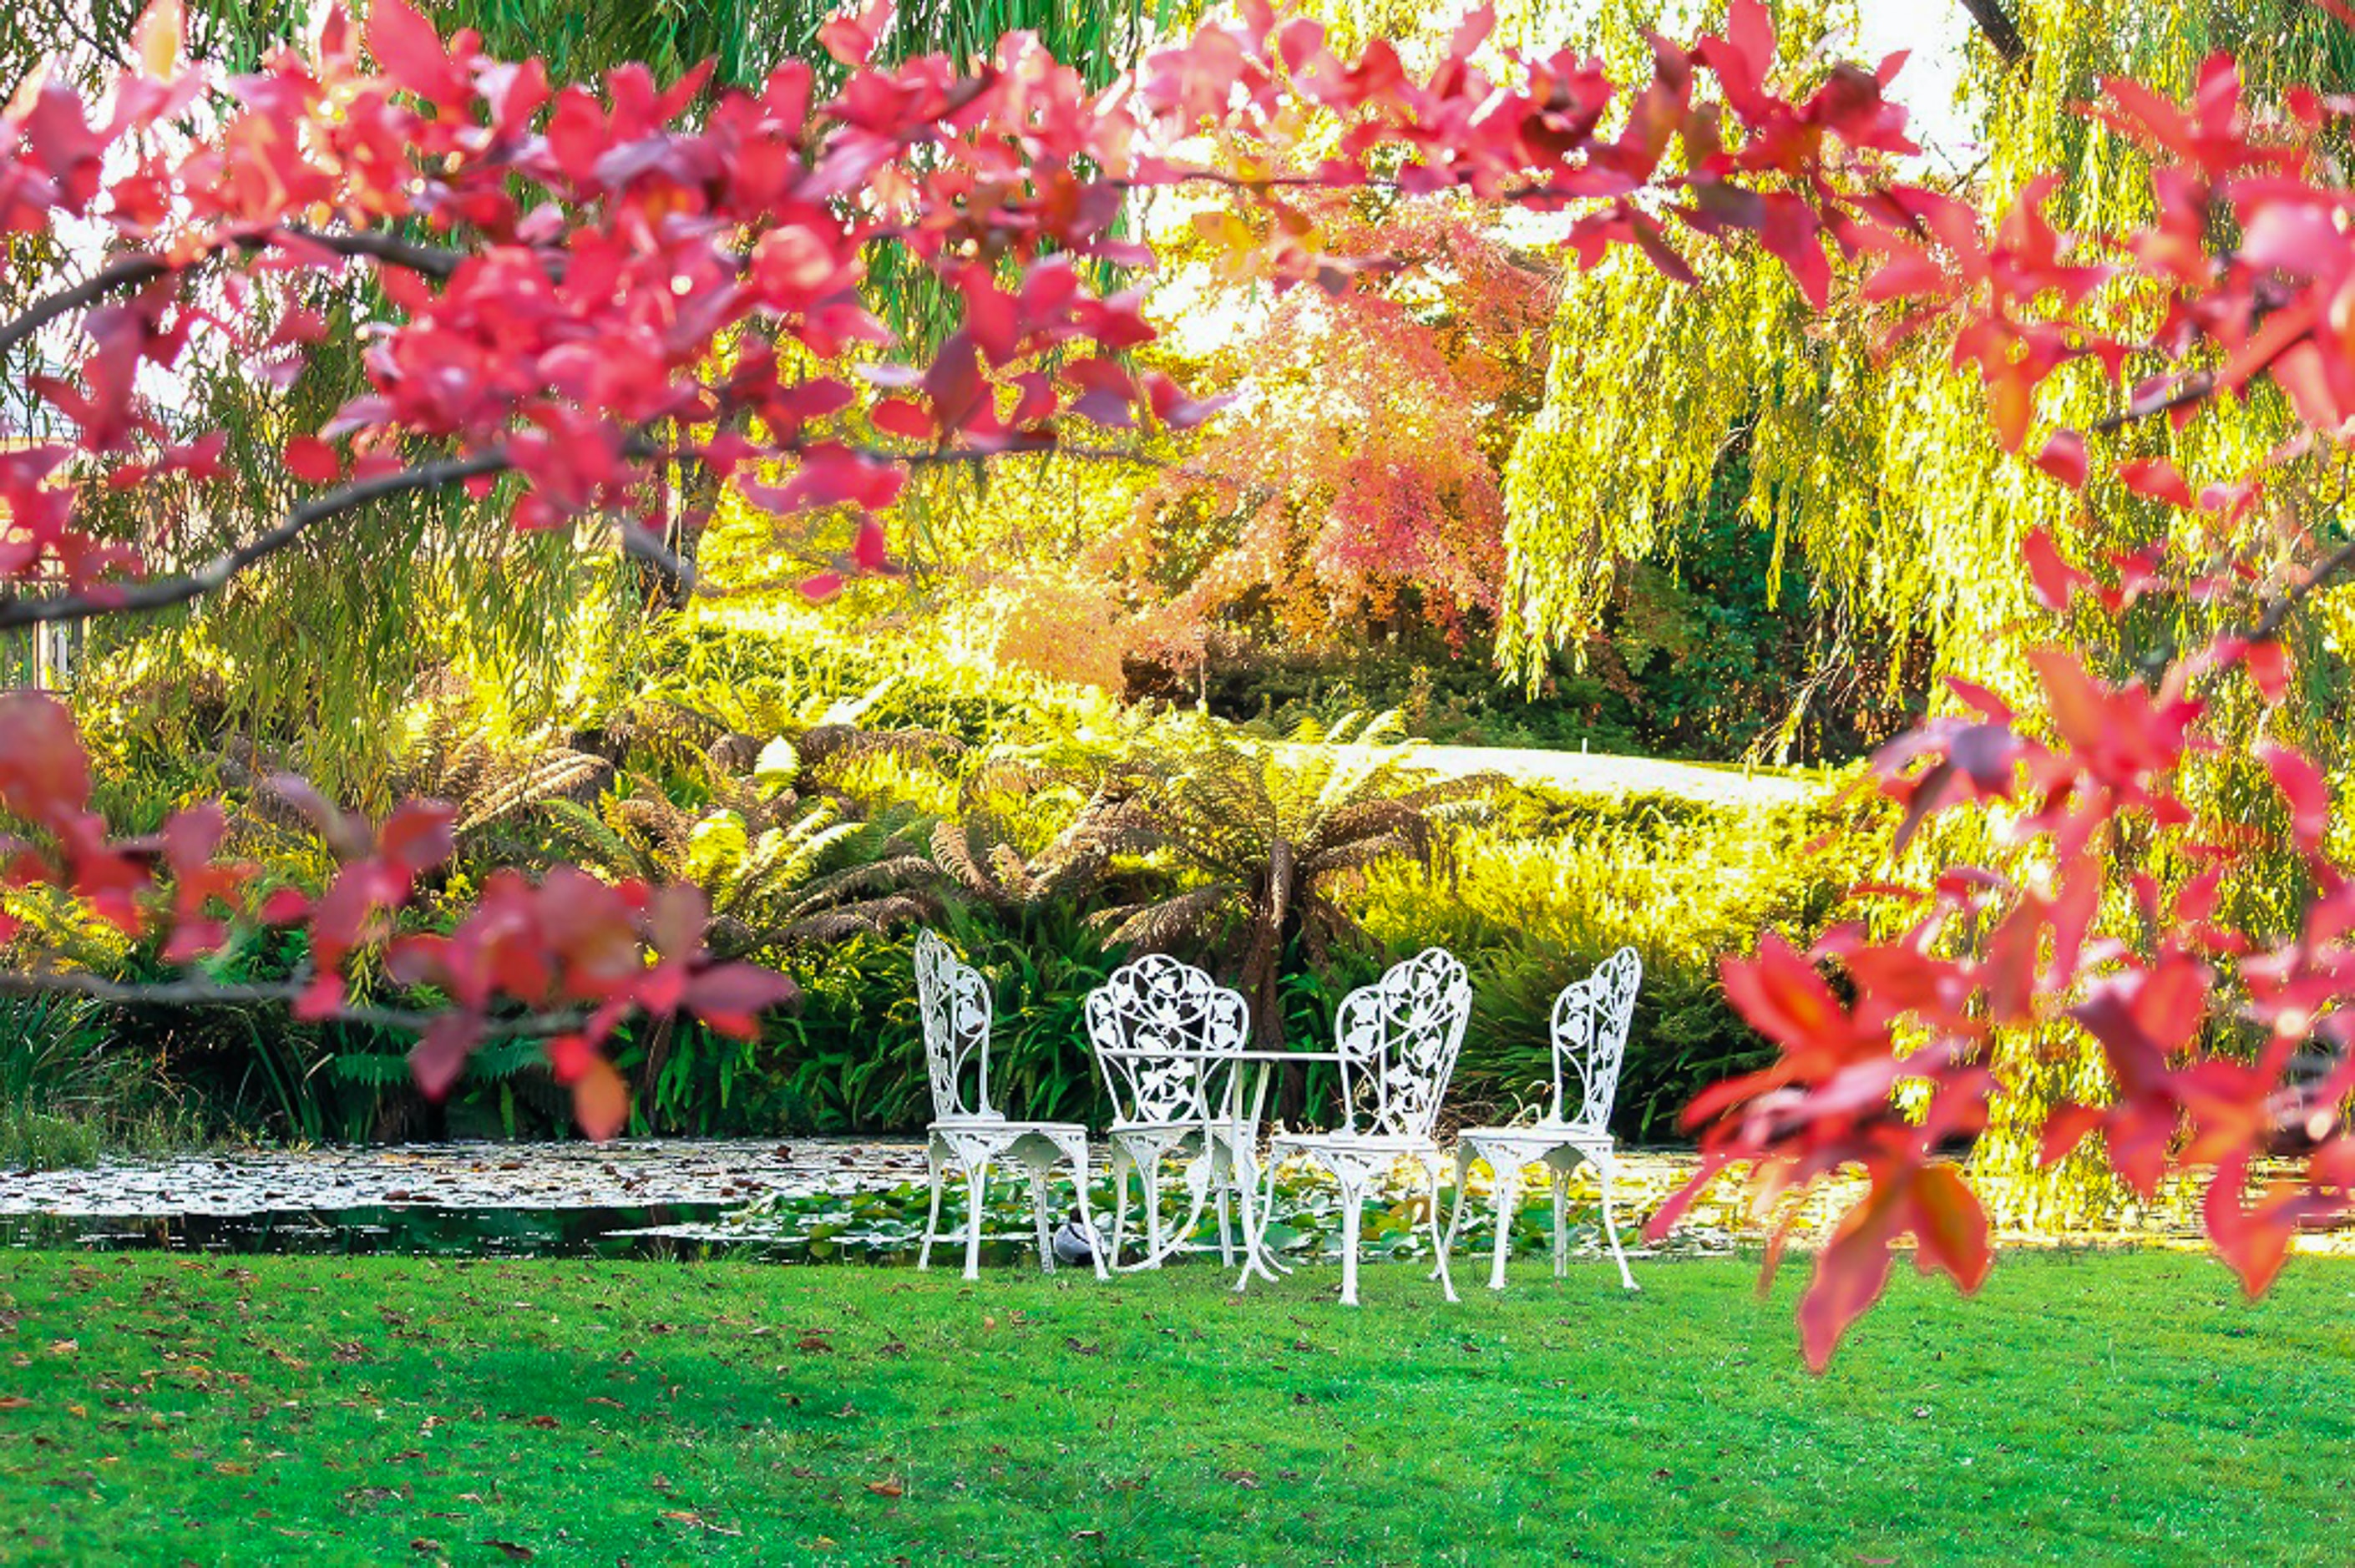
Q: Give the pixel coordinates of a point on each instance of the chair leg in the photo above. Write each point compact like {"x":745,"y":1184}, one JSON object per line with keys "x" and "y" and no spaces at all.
{"x":1080,"y":1201}
{"x":1353,"y":1204}
{"x":1603,"y":1170}
{"x":1446,"y":1282}
{"x":1153,"y":1209}
{"x":976,"y":1187}
{"x":1508,"y":1181}
{"x":1256,"y":1216}
{"x":1464,"y":1161}
{"x":1226,"y":1223}
{"x":1121,"y":1164}
{"x":1561,"y":1224}
{"x":1038,"y":1212}
{"x":932,"y":1219}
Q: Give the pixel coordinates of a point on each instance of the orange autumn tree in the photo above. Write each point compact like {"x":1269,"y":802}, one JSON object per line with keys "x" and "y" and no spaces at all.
{"x":1350,"y":482}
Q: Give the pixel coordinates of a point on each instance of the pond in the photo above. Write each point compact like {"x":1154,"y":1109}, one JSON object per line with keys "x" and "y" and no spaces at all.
{"x":810,"y":1200}
{"x":666,"y":1199}
{"x":803,"y":1200}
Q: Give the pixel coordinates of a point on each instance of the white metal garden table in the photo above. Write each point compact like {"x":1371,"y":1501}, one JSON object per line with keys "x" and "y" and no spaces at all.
{"x":1262,"y":1065}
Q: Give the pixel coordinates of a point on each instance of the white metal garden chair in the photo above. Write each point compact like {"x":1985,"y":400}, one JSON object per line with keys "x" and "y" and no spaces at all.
{"x":965,"y":1131}
{"x":1397,"y":1041}
{"x":1590,"y":1041}
{"x":1167,"y":1038}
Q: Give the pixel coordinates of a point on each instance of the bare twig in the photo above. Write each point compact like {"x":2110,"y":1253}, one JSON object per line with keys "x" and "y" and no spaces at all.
{"x":2197,"y":386}
{"x":207,"y":993}
{"x":2278,"y":612}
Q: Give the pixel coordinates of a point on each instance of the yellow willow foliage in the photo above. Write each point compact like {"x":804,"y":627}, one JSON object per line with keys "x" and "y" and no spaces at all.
{"x":1876,"y":472}
{"x":1876,"y":468}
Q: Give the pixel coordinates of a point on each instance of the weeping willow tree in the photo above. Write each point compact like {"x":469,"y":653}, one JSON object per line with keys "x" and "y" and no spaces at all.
{"x":313,"y":656}
{"x":1874,"y":467}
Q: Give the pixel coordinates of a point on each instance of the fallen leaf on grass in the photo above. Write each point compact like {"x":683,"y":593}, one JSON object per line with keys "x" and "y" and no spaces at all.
{"x":1087,"y":1535}
{"x":15,"y":1402}
{"x":1244,"y":1478}
{"x":514,"y":1553}
{"x":887,"y":1488}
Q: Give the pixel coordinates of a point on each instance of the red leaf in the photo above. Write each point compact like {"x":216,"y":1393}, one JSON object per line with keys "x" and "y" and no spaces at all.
{"x":1850,"y":1273}
{"x":872,"y":550}
{"x":2064,"y":457}
{"x":902,"y":417}
{"x":418,"y":836}
{"x":2301,"y":783}
{"x":1781,"y":995}
{"x":1950,"y":1227}
{"x":2080,"y":711}
{"x":730,"y":997}
{"x":600,"y":1100}
{"x":2055,"y":579}
{"x":851,"y":37}
{"x":2269,"y":667}
{"x":2011,"y":405}
{"x":312,"y":460}
{"x":285,"y":906}
{"x":822,"y":586}
{"x":410,"y":52}
{"x":439,"y":1055}
{"x":569,"y":1057}
{"x":2065,"y":1129}
{"x":2158,"y":478}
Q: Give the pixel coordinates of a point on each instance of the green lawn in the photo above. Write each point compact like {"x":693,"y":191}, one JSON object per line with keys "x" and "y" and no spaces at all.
{"x":2113,"y":1407}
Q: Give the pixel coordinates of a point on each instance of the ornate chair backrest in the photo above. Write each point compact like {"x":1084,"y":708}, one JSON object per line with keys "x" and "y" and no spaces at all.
{"x":1161,"y":1029}
{"x":953,"y":1001}
{"x":1590,"y":1039}
{"x":1398,"y":1039}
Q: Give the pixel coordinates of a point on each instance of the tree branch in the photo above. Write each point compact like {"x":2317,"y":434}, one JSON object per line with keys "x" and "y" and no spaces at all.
{"x":2000,"y":30}
{"x":162,"y":592}
{"x":2278,"y":612}
{"x":130,"y":272}
{"x":115,"y":277}
{"x":205,"y":993}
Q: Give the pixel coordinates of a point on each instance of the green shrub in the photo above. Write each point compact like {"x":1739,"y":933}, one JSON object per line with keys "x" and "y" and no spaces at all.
{"x":72,"y":1087}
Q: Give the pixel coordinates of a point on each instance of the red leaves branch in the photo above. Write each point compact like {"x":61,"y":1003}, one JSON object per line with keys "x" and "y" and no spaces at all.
{"x":569,"y":954}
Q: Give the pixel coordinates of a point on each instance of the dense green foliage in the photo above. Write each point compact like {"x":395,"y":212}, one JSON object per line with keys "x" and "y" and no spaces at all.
{"x":373,"y":1410}
{"x":803,"y":780}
